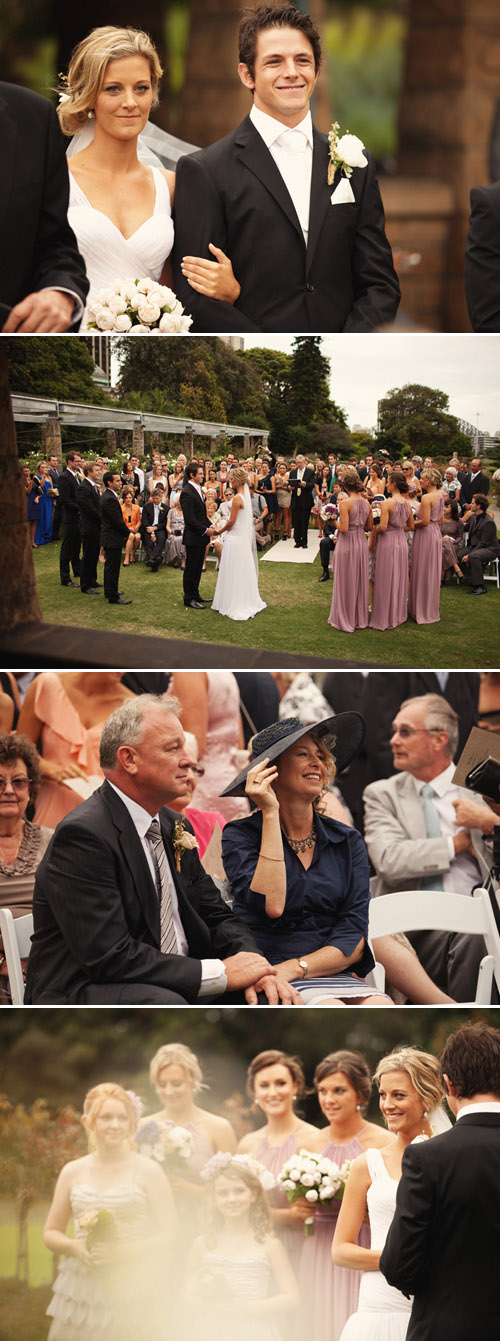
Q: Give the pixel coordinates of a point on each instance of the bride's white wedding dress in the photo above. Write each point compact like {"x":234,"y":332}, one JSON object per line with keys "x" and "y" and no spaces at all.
{"x":108,"y":255}
{"x":237,"y":590}
{"x":383,"y":1313}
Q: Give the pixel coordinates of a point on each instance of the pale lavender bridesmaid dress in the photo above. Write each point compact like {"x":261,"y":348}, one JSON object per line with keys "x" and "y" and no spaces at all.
{"x":349,"y":609}
{"x":329,"y":1294}
{"x":425,"y":571}
{"x":274,"y":1157}
{"x":390,"y":588}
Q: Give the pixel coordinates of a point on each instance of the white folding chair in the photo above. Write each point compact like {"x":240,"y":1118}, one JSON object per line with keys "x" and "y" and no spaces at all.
{"x":438,"y":910}
{"x":492,"y":572}
{"x":16,"y":935}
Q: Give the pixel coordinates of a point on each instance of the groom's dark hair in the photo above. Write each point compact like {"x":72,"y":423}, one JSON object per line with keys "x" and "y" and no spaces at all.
{"x":471,"y":1060}
{"x":254,"y":21}
{"x":192,"y":468}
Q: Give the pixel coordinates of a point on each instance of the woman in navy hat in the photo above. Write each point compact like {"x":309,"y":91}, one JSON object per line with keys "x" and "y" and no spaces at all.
{"x":299,"y":878}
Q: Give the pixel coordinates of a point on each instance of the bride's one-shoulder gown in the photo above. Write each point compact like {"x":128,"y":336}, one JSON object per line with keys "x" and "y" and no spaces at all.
{"x":383,"y":1313}
{"x":118,"y":1301}
{"x":237,"y":591}
{"x":108,"y":255}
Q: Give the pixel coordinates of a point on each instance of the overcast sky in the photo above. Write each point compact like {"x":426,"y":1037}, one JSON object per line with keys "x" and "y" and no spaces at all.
{"x":365,"y":367}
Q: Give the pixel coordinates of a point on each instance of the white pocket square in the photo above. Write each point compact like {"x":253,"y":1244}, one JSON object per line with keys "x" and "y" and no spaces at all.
{"x":343,"y":193}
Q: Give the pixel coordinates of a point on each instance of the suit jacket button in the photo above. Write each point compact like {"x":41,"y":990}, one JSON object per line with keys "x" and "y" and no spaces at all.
{"x":310,"y":288}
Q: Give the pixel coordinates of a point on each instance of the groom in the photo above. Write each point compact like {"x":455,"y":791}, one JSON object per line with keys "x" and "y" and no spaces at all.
{"x":444,"y":1241}
{"x":197,"y":533}
{"x":309,"y":256}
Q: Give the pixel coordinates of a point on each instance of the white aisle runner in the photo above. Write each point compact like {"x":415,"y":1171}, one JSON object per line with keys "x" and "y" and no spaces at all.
{"x":285,"y":552}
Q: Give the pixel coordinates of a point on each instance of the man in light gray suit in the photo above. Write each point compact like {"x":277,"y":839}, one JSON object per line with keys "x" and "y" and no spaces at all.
{"x":423,"y":832}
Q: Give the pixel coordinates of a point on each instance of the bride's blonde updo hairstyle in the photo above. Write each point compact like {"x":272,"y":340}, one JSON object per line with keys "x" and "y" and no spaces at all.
{"x":239,"y":475}
{"x":423,"y":1071}
{"x":177,"y":1054}
{"x":93,"y":1104}
{"x":88,"y":66}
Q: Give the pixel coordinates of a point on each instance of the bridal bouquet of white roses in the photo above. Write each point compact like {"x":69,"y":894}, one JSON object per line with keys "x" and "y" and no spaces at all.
{"x":314,"y":1177}
{"x":137,"y":307}
{"x":167,"y":1145}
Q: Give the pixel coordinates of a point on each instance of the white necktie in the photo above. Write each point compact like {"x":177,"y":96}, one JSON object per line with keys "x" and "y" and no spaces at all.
{"x":168,"y":939}
{"x":294,"y":166}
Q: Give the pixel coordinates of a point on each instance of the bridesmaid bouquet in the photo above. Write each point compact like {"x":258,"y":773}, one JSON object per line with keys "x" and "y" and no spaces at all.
{"x":314,"y":1177}
{"x":167,"y":1145}
{"x":329,"y":512}
{"x":100,"y":1225}
{"x":137,"y":307}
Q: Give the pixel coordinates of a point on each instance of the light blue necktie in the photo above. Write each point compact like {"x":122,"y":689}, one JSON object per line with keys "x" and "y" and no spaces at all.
{"x":433,"y":830}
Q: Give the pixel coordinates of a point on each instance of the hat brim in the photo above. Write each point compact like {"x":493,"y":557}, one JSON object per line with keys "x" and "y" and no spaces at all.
{"x":343,"y":735}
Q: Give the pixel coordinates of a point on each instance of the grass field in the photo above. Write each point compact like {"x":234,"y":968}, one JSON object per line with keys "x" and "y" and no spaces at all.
{"x":295,"y":622}
{"x":40,"y":1260}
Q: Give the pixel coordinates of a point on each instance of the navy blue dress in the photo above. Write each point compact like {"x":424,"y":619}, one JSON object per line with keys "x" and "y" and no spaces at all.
{"x":325,"y":905}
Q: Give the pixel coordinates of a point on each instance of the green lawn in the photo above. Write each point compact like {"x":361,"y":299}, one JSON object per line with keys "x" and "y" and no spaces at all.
{"x":40,"y":1259}
{"x":468,"y":634}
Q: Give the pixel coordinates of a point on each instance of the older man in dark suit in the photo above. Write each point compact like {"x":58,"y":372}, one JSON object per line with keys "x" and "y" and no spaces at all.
{"x":42,"y":275}
{"x":448,"y":1184}
{"x":305,"y":235}
{"x":483,"y":545}
{"x":123,"y":910}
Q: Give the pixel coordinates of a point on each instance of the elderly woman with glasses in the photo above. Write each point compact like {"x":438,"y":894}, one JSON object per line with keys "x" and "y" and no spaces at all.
{"x":299,"y":878}
{"x":22,"y":844}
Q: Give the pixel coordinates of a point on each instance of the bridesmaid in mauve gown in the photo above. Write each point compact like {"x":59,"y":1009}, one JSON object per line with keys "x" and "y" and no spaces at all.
{"x":349,"y":610}
{"x":390,"y":589}
{"x":426,"y":558}
{"x":329,"y":1294}
{"x":276,"y":1082}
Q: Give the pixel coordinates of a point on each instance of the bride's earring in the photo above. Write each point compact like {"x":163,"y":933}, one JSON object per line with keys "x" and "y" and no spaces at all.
{"x":425,"y":1113}
{"x":90,"y":114}
{"x":358,"y":1108}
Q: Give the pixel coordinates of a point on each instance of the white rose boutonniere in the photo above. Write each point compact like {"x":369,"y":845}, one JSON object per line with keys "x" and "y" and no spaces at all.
{"x":182,"y":841}
{"x":345,"y":153}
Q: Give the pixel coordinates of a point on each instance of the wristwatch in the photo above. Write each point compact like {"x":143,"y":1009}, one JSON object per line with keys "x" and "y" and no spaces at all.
{"x":303,"y":964}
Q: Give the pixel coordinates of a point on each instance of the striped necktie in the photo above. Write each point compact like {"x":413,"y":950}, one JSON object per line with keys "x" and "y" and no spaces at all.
{"x":432,"y":829}
{"x":168,"y":939}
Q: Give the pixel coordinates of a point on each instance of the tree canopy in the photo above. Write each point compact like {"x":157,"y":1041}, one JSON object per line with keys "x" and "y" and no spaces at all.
{"x":416,"y":418}
{"x":200,"y":378}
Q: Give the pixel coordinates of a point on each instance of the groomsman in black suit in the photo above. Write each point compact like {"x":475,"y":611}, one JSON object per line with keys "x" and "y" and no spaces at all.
{"x":482,"y":259}
{"x":42,"y":275}
{"x":69,"y":553}
{"x":443,"y":1245}
{"x":475,"y":482}
{"x":309,"y":255}
{"x":301,"y":482}
{"x":154,"y":528}
{"x":114,"y":534}
{"x":88,"y":499}
{"x":197,"y":533}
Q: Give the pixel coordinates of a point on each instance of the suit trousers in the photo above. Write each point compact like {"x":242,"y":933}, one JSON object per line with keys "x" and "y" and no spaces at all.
{"x":154,"y":548}
{"x":90,"y":557}
{"x":69,"y":552}
{"x":325,"y":550}
{"x":301,"y":514}
{"x":473,"y":569}
{"x":56,"y":519}
{"x":451,"y":959}
{"x":112,"y":573}
{"x":195,"y":555}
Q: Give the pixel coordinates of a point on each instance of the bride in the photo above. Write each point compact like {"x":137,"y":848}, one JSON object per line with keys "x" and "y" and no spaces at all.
{"x":411,"y":1094}
{"x":120,"y":207}
{"x":237,"y":590}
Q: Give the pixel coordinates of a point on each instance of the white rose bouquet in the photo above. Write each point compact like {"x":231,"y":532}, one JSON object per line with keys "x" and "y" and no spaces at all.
{"x":167,"y":1145}
{"x":137,"y":307}
{"x":314,"y":1177}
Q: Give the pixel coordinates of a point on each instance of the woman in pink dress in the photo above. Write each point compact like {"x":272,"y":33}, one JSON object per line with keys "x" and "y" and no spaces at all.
{"x":210,"y":708}
{"x":276,"y":1082}
{"x":427,"y":549}
{"x":67,"y":711}
{"x":390,"y":589}
{"x":329,"y":1293}
{"x":349,"y":609}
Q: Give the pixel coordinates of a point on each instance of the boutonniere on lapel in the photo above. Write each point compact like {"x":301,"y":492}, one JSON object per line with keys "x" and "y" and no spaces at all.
{"x":182,"y":841}
{"x":345,"y":153}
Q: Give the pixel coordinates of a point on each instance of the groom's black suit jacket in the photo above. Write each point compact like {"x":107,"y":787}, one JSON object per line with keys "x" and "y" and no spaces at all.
{"x":37,"y":246}
{"x":233,"y":195}
{"x":196,"y":520}
{"x":443,"y":1246}
{"x":97,"y":915}
{"x":482,"y":259}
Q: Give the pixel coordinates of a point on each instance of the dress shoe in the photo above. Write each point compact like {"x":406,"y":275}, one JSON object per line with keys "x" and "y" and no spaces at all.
{"x":89,"y":591}
{"x":120,"y":601}
{"x":325,"y":577}
{"x":478,"y":591}
{"x":97,"y":584}
{"x":194,"y":605}
{"x":205,"y":600}
{"x":70,"y":584}
{"x":154,"y":567}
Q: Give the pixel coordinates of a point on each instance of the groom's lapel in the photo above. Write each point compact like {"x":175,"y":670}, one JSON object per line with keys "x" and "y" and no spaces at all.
{"x":320,"y":192}
{"x":255,"y":156}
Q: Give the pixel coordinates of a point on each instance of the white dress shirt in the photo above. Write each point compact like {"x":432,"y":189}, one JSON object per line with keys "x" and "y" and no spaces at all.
{"x":464,"y":871}
{"x":469,"y":1109}
{"x":213,"y":977}
{"x":292,"y":150}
